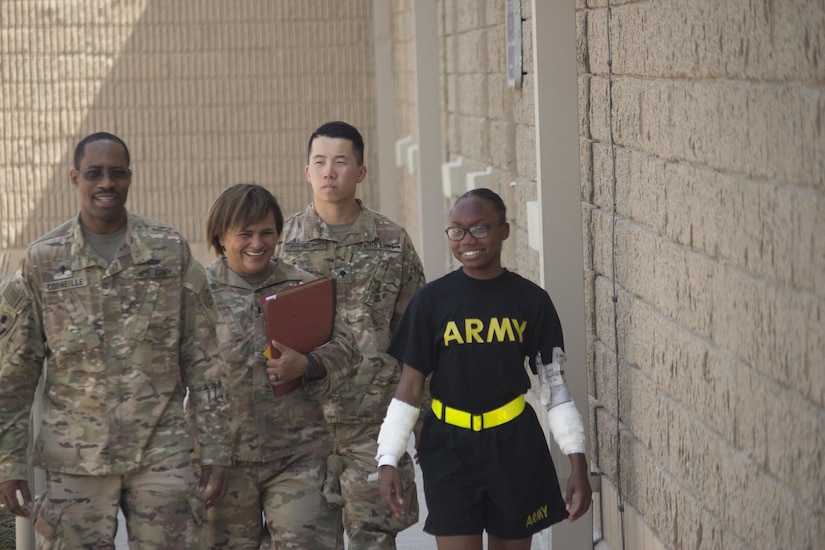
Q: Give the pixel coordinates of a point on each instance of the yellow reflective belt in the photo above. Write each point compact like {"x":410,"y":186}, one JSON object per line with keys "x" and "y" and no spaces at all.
{"x":478,"y":422}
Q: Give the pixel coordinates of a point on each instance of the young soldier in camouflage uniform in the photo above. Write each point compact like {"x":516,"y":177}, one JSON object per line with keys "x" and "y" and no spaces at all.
{"x":121,"y":314}
{"x":378,"y":271}
{"x":281,"y":443}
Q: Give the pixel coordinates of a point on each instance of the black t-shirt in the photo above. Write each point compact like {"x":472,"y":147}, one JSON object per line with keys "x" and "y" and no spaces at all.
{"x":473,"y":336}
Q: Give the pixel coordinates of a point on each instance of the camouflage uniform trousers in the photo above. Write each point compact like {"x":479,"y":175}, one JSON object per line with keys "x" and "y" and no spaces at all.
{"x":159,"y":502}
{"x":287,"y":492}
{"x":353,"y":485}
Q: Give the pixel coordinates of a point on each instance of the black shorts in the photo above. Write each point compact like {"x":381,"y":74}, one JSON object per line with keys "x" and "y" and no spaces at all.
{"x":501,"y":480}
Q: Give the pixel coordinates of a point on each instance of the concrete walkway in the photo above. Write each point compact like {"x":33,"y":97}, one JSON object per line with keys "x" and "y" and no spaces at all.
{"x":412,"y":538}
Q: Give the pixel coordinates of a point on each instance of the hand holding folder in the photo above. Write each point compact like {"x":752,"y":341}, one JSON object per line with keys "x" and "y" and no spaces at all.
{"x":300,"y":317}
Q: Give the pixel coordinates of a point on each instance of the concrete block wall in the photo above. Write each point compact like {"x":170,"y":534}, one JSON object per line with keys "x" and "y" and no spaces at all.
{"x":409,"y":212}
{"x":205,"y":93}
{"x":488,"y":124}
{"x":717,"y":120}
{"x":712,"y":429}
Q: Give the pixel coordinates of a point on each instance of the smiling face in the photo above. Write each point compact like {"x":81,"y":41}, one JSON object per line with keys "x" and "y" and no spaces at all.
{"x":481,"y":257}
{"x":102,"y":181}
{"x":333,"y":170}
{"x":249,"y":249}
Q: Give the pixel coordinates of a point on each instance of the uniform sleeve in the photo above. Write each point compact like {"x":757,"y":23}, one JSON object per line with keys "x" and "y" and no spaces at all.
{"x":412,"y":341}
{"x":412,"y":278}
{"x":204,"y":371}
{"x":339,"y":357}
{"x":22,"y":352}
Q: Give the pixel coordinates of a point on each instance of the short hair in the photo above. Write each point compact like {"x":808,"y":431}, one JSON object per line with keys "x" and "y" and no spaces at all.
{"x":488,"y":195}
{"x":80,"y":150}
{"x":242,"y":204}
{"x":339,"y":129}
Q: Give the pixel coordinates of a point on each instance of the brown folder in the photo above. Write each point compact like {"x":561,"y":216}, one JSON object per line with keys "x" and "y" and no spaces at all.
{"x":300,"y":317}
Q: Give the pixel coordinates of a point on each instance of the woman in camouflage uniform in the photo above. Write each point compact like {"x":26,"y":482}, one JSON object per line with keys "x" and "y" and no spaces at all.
{"x":281,"y":443}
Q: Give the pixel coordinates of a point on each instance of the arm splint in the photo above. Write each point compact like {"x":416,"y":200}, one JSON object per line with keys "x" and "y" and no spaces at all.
{"x":562,"y":415}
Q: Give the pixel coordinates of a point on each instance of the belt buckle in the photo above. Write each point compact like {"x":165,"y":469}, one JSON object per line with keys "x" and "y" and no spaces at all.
{"x":477,"y":426}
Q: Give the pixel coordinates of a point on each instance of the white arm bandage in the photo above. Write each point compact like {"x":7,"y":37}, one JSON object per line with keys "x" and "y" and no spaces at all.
{"x":567,"y":427}
{"x":564,"y":419}
{"x":395,"y":432}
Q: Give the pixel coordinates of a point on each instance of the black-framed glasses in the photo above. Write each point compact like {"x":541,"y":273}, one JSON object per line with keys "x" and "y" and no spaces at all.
{"x":477,"y":231}
{"x":96,"y":174}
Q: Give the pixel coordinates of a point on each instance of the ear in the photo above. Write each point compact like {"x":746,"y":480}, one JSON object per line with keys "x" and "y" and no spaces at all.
{"x":306,"y":173}
{"x":505,"y":231}
{"x":73,"y":174}
{"x":362,"y":172}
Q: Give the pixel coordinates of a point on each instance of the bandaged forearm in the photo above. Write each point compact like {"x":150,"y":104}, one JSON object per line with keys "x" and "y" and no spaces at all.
{"x":567,"y":427}
{"x":395,"y":432}
{"x":552,"y":379}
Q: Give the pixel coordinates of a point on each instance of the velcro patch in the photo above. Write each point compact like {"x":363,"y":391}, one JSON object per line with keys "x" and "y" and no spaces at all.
{"x":13,"y":296}
{"x":6,"y":322}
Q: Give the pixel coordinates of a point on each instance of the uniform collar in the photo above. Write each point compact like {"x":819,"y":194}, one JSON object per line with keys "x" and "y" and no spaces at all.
{"x":363,"y":228}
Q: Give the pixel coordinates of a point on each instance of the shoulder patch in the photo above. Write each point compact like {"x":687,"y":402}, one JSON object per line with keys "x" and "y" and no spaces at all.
{"x":195,"y":278}
{"x":12,"y":296}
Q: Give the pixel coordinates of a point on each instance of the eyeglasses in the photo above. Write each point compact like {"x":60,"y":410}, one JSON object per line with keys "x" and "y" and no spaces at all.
{"x":96,"y":174}
{"x":477,"y":231}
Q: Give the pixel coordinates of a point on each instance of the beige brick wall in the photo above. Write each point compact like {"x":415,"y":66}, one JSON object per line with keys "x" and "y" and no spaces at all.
{"x":718,"y":113}
{"x":205,"y":93}
{"x":488,"y":124}
{"x":717,"y":118}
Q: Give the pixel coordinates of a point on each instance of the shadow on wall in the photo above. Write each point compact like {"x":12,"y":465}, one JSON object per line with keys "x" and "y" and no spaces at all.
{"x":205,"y":94}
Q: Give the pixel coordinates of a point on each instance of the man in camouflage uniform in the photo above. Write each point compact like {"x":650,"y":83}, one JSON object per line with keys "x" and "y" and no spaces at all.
{"x":121,"y":314}
{"x":377,"y":272}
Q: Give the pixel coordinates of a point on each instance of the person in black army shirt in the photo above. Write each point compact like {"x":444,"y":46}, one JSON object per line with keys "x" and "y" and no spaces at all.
{"x":483,"y":454}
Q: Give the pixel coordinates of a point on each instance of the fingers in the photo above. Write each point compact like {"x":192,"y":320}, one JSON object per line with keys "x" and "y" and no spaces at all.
{"x":391,"y":490}
{"x":9,"y":497}
{"x":213,"y":484}
{"x":578,"y":502}
{"x":288,"y":366}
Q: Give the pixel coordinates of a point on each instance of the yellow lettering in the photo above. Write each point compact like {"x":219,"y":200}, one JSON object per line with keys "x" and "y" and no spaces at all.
{"x":473,"y":328}
{"x":451,"y":333}
{"x":520,"y":328}
{"x":539,"y":514}
{"x":500,"y":330}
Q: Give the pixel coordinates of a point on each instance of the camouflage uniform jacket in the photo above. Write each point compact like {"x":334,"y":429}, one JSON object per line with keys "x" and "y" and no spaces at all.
{"x":120,"y":342}
{"x":269,"y":427}
{"x":378,"y":271}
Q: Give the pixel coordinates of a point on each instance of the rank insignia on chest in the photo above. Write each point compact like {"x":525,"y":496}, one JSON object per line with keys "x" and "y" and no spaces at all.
{"x":62,"y":270}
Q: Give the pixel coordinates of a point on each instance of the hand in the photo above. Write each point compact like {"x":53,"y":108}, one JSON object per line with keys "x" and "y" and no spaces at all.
{"x":8,"y":497}
{"x":213,"y":484}
{"x":579,"y":493}
{"x":291,"y":365}
{"x":392,"y":494}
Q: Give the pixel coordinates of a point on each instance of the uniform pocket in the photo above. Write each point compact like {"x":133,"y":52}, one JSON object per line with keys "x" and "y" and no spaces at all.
{"x":154,"y":312}
{"x":66,"y":321}
{"x":197,"y":510}
{"x":46,"y":517}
